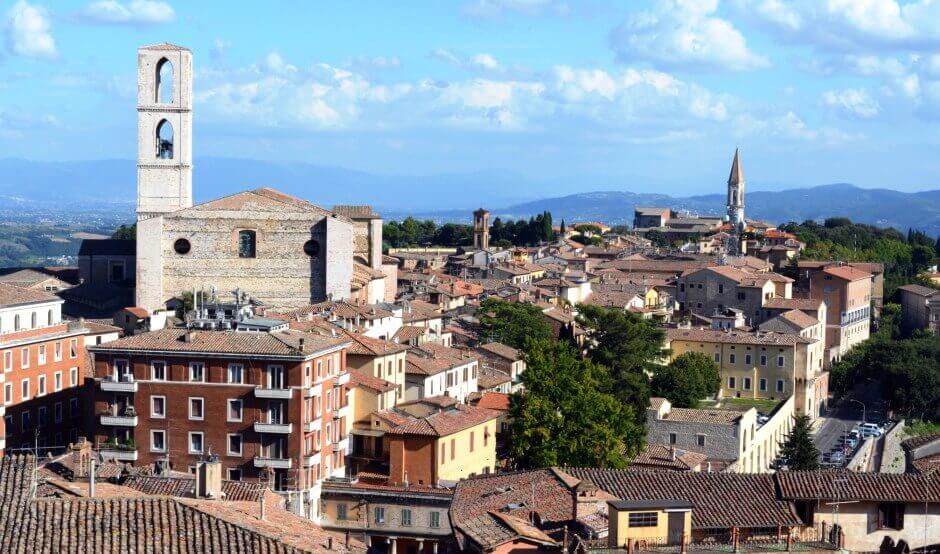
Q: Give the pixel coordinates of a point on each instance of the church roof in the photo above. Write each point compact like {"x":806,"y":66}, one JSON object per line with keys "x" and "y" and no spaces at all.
{"x":737,"y":176}
{"x":263,"y":200}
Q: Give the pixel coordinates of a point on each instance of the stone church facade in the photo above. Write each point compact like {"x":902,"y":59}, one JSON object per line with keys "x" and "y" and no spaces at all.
{"x":279,"y":249}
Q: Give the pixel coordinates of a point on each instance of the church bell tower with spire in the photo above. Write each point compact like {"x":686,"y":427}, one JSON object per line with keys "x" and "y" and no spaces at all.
{"x":736,"y":205}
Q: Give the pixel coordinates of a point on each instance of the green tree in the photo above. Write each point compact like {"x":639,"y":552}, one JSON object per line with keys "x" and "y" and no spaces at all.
{"x":629,"y":346}
{"x":511,"y":323}
{"x":799,"y":448}
{"x":564,"y":418}
{"x":687,"y":379}
{"x":125,"y":232}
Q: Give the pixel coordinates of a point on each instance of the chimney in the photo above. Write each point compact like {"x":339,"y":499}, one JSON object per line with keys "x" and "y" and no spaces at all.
{"x":189,"y":336}
{"x":209,"y":478}
{"x":301,"y":344}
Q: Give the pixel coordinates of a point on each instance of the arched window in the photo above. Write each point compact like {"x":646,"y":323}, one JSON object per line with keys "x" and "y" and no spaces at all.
{"x":165,"y":140}
{"x":164,"y":82}
{"x":16,"y":322}
{"x":49,"y":318}
{"x":33,"y":323}
{"x":246,"y":244}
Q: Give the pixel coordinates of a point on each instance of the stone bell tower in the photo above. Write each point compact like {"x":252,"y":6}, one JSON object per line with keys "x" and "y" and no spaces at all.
{"x":164,"y":157}
{"x":481,"y":229}
{"x":735,"y":246}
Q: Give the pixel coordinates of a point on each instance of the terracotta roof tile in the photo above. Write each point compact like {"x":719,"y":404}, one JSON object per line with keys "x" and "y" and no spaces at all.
{"x":446,"y":422}
{"x":660,"y":456}
{"x":279,"y":343}
{"x":848,"y":485}
{"x":12,"y":295}
{"x":494,"y":401}
{"x":765,"y":338}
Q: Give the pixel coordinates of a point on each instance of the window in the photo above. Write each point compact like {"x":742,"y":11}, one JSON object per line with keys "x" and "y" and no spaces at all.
{"x":57,"y":351}
{"x":700,"y":440}
{"x":158,"y":406}
{"x":236,"y":373}
{"x":42,"y":386}
{"x":57,"y":413}
{"x":24,"y":358}
{"x":763,"y":384}
{"x":158,"y":441}
{"x":643,"y":519}
{"x":721,"y":288}
{"x":41,"y":354}
{"x":453,"y":449}
{"x":196,"y":406}
{"x":779,"y":361}
{"x":8,"y":360}
{"x":763,"y":360}
{"x":673,"y":438}
{"x":747,"y":359}
{"x":57,"y":381}
{"x":24,"y":421}
{"x":16,"y":322}
{"x":246,"y":244}
{"x":234,"y":444}
{"x":33,"y":323}
{"x":182,"y":246}
{"x":717,"y":358}
{"x":164,"y":140}
{"x":73,"y":377}
{"x":731,"y":383}
{"x":73,"y":348}
{"x":234,"y":409}
{"x":158,"y":371}
{"x":730,"y":358}
{"x":163,"y":89}
{"x":195,"y":443}
{"x":406,"y":517}
{"x":197,"y":372}
{"x":341,"y":514}
{"x":8,"y":393}
{"x":73,"y":408}
{"x":779,"y":385}
{"x":234,"y":474}
{"x":891,"y":515}
{"x":435,"y":519}
{"x":312,"y":248}
{"x":24,"y":389}
{"x":379,"y":515}
{"x":42,"y":419}
{"x":471,"y":441}
{"x":747,"y":383}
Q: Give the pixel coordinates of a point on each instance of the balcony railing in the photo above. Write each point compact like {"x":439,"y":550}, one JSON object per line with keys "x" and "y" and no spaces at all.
{"x":273,"y":463}
{"x":126,"y":418}
{"x":122,"y":384}
{"x":312,"y":460}
{"x":342,"y":378}
{"x":270,"y":427}
{"x":313,"y":425}
{"x":118,"y":454}
{"x":276,"y":394}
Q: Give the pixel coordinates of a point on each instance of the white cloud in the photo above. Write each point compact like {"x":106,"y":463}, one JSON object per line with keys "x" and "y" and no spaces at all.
{"x":684,"y":33}
{"x":851,"y":24}
{"x":481,"y":62}
{"x":135,"y":12}
{"x":856,"y":102}
{"x":488,"y":9}
{"x":28,"y":31}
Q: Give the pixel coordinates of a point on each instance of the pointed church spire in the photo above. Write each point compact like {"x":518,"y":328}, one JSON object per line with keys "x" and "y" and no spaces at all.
{"x":737,"y":176}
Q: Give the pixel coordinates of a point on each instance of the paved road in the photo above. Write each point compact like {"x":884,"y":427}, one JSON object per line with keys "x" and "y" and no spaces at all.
{"x":846,"y":415}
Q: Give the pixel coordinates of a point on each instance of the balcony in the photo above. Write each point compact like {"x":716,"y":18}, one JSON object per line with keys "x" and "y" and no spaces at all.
{"x":274,"y":394}
{"x":312,"y":426}
{"x":342,"y":444}
{"x":341,"y":412}
{"x":310,"y":392}
{"x":127,"y":418}
{"x":342,"y":378}
{"x":273,"y":463}
{"x":312,"y":460}
{"x":122,"y":384}
{"x":279,"y":428}
{"x":118,"y":454}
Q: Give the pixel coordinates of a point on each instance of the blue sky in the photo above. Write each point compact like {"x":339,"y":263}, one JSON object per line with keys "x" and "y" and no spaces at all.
{"x":581,"y":95}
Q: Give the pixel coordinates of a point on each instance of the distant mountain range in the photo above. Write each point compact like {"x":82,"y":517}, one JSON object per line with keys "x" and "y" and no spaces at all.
{"x":450,"y":197}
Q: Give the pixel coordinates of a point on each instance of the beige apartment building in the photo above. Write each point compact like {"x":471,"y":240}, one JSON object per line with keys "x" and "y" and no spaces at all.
{"x":709,"y":290}
{"x":764,"y":364}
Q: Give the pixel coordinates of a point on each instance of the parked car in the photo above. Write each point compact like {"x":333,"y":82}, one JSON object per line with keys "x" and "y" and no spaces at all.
{"x":853,"y":434}
{"x":762,"y":419}
{"x":850,"y":442}
{"x":836,"y":457}
{"x":870,"y":430}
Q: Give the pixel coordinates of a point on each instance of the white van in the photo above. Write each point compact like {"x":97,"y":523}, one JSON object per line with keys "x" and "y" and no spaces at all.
{"x":870,"y":430}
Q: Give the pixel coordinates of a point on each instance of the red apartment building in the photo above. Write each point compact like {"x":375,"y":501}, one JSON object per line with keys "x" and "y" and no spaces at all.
{"x":271,"y":405}
{"x":43,"y":360}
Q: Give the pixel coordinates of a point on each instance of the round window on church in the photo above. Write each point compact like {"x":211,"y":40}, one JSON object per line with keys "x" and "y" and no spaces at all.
{"x":181,"y":246}
{"x":312,"y":248}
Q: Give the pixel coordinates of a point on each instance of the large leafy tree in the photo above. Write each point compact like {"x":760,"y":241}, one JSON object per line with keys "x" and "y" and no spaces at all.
{"x":687,"y":379}
{"x":629,"y":346}
{"x":564,"y":418}
{"x":512,"y":323}
{"x":125,"y":232}
{"x":799,"y":447}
